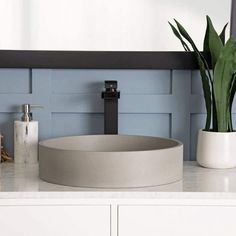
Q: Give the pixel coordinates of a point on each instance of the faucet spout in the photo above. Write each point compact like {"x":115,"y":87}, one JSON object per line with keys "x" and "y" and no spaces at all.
{"x":110,"y":96}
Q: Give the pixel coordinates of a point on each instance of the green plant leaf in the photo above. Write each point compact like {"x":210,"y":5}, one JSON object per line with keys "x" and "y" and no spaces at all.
{"x":206,"y":91}
{"x":214,"y":42}
{"x":222,"y":34}
{"x":184,"y":33}
{"x":222,"y":84}
{"x":177,"y":34}
{"x":218,"y":93}
{"x":206,"y":40}
{"x":203,"y":66}
{"x":232,"y":94}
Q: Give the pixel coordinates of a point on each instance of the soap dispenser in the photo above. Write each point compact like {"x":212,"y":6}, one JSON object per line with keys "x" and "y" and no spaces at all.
{"x":26,"y":137}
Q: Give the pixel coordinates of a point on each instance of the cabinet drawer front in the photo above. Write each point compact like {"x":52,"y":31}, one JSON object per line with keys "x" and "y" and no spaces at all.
{"x":177,"y":220}
{"x":54,"y":220}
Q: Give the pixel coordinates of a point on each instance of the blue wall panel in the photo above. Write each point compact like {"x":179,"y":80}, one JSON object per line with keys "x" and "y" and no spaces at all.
{"x":162,"y":103}
{"x":197,"y":122}
{"x":92,"y":81}
{"x":76,"y":123}
{"x":17,"y":81}
{"x":145,"y":124}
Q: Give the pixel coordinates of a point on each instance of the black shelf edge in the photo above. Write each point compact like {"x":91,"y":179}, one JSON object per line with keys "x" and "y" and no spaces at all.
{"x":97,"y":59}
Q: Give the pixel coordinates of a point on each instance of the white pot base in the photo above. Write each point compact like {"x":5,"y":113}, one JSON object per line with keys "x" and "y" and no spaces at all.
{"x":216,"y":150}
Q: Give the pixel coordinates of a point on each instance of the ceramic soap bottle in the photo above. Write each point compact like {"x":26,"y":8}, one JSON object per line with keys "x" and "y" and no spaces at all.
{"x":26,"y":137}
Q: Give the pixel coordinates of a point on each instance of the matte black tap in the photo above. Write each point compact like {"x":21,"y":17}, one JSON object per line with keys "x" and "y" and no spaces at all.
{"x":110,"y":96}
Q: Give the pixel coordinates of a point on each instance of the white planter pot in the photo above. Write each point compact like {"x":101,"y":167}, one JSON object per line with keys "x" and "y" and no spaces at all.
{"x":216,"y":149}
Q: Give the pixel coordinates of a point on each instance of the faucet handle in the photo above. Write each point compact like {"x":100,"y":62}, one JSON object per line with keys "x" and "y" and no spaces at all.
{"x":110,"y":85}
{"x":110,"y":90}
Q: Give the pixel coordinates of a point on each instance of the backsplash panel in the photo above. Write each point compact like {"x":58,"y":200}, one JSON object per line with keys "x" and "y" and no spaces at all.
{"x":83,"y":81}
{"x":196,"y":83}
{"x":167,"y":103}
{"x":64,"y":124}
{"x":197,"y":122}
{"x":17,"y":81}
{"x":145,"y":124}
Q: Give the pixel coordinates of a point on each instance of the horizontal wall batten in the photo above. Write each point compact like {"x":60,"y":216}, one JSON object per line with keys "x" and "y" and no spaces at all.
{"x":92,"y":103}
{"x":97,"y":59}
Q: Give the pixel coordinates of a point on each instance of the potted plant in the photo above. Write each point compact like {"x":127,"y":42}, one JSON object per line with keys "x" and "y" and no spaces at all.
{"x":217,"y":63}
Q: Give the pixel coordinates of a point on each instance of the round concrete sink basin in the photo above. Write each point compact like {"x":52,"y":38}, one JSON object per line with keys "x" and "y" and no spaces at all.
{"x":110,"y":161}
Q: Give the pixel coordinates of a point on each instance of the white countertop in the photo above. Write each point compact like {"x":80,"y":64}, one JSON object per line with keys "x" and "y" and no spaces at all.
{"x":22,"y":181}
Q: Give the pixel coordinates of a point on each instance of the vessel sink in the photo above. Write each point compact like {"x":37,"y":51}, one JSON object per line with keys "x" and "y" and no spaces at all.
{"x":110,"y":161}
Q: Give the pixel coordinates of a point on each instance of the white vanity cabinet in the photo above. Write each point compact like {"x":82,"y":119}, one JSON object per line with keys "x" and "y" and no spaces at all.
{"x":117,"y":217}
{"x":54,"y":220}
{"x":194,"y":220}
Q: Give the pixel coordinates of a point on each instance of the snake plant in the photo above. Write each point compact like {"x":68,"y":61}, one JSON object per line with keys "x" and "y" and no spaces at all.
{"x":217,"y":73}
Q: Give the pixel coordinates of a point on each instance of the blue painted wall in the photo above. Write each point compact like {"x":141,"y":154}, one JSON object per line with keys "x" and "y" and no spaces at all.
{"x":153,"y":102}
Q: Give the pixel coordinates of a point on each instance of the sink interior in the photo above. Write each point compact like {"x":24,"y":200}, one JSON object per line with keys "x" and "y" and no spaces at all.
{"x":110,"y":143}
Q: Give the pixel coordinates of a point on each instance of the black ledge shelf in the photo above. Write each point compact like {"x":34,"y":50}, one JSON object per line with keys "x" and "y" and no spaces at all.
{"x":97,"y":60}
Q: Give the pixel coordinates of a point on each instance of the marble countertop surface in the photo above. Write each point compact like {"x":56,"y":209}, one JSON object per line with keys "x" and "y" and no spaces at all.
{"x":22,"y":181}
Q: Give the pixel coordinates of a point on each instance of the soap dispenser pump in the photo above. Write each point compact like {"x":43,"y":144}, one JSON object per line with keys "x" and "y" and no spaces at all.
{"x":26,"y":137}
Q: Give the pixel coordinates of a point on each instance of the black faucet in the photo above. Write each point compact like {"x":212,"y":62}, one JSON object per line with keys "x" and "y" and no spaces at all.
{"x":110,"y":96}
